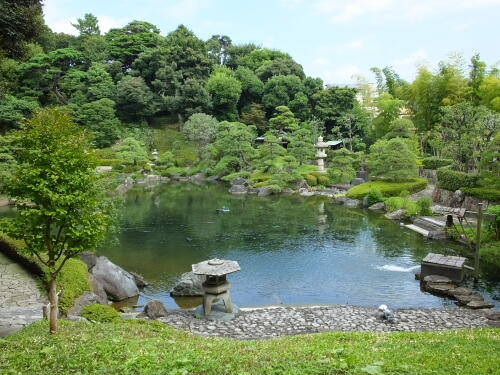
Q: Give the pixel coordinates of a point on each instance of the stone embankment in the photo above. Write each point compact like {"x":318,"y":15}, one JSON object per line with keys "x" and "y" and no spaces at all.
{"x":21,"y":301}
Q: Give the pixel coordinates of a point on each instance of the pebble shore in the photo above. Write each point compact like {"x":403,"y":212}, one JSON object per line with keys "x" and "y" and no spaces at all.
{"x":274,"y":321}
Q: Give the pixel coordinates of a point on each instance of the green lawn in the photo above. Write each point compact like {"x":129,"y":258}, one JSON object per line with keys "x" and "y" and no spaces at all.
{"x":387,"y":188}
{"x":138,"y":347}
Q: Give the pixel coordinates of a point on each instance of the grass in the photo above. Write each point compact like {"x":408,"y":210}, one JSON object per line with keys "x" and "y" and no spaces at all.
{"x":387,"y":188}
{"x":139,"y":347}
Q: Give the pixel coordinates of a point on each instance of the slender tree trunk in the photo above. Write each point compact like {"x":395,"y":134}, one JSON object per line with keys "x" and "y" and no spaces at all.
{"x":53,"y":305}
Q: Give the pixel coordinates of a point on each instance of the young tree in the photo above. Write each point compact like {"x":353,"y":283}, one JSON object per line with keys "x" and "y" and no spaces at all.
{"x":60,"y":207}
{"x":87,"y":26}
{"x":255,"y":115}
{"x":225,"y":91}
{"x":201,"y":129}
{"x":301,"y":145}
{"x":235,"y":139}
{"x":283,"y":120}
{"x":132,"y":152}
{"x":392,"y":160}
{"x":341,"y":168}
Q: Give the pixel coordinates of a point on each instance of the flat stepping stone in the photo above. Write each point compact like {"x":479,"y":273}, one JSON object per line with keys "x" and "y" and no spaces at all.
{"x":416,"y":228}
{"x":461,"y":291}
{"x":440,"y":288}
{"x":437,"y":279}
{"x":464,"y":300}
{"x":479,"y":305}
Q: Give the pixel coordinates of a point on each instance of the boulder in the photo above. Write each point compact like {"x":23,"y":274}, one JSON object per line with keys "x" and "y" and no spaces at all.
{"x":76,"y":318}
{"x":396,"y":215}
{"x":155,"y":309}
{"x":264,"y":191}
{"x":302,"y":184}
{"x":103,"y":169}
{"x":377,"y":206}
{"x":493,"y":315}
{"x":357,"y":181}
{"x":98,"y":289}
{"x":478,"y":304}
{"x":287,"y":191}
{"x":118,"y":283}
{"x":139,"y":280}
{"x":460,"y":291}
{"x":238,"y":189}
{"x":440,"y":288}
{"x":87,"y":298}
{"x":339,"y":200}
{"x":189,"y":284}
{"x":305,"y":193}
{"x":465,"y":299}
{"x":89,"y":258}
{"x":352,"y":203}
{"x":212,"y":178}
{"x":253,"y":191}
{"x":239,"y":181}
{"x":122,"y":188}
{"x":198,"y":177}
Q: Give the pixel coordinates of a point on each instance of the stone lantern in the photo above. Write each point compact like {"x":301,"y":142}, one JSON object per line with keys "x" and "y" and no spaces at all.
{"x":321,"y":154}
{"x":216,"y":285}
{"x":155,"y":155}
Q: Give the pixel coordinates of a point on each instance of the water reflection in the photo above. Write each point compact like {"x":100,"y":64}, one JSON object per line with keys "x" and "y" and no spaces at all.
{"x":291,"y":249}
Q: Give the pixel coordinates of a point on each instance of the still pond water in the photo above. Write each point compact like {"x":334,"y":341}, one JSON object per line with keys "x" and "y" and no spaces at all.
{"x":291,"y":249}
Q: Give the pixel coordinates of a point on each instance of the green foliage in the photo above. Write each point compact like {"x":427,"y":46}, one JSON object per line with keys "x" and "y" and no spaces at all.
{"x":488,"y":194}
{"x":387,"y":188}
{"x":132,"y":152}
{"x":99,"y":117}
{"x":324,"y":180}
{"x":280,"y":90}
{"x":424,"y":204}
{"x":20,"y":22}
{"x":396,"y":203}
{"x":333,"y":103}
{"x":134,"y":99}
{"x":251,"y":87}
{"x":450,"y":179}
{"x":283,"y":120}
{"x":100,"y":83}
{"x":490,"y":255}
{"x":235,"y":140}
{"x":495,"y":210}
{"x":13,"y":110}
{"x":341,"y":166}
{"x":225,"y":90}
{"x":434,"y":162}
{"x":201,"y":129}
{"x":389,"y":109}
{"x":392,"y":160}
{"x":489,"y":164}
{"x":74,"y":280}
{"x":311,"y":179}
{"x":404,"y":194}
{"x":374,"y":196}
{"x":256,"y":116}
{"x":301,"y":146}
{"x":33,"y":351}
{"x":100,"y":313}
{"x":87,"y":26}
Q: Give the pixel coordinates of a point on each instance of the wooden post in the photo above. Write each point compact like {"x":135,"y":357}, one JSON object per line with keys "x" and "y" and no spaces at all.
{"x":478,"y":240}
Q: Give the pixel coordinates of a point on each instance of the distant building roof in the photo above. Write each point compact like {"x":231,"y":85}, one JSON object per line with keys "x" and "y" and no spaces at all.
{"x":334,"y":143}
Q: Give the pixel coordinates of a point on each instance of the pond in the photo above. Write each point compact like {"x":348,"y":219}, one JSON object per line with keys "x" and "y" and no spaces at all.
{"x":291,"y":249}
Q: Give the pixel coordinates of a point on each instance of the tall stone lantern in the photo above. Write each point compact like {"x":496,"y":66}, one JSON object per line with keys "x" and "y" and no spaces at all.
{"x":321,"y":154}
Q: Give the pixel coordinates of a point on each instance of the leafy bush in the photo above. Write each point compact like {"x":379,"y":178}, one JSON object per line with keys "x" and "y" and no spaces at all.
{"x":435,"y":162}
{"x":488,"y":194}
{"x":454,"y":180}
{"x":323,"y":180}
{"x":226,"y":165}
{"x":490,"y":254}
{"x":100,"y":313}
{"x":495,"y":210}
{"x":404,"y":194}
{"x":394,"y":203}
{"x":232,"y":176}
{"x":311,"y":179}
{"x":374,"y":196}
{"x":341,"y":166}
{"x":411,"y":208}
{"x":387,"y":188}
{"x":392,"y":160}
{"x":424,"y":204}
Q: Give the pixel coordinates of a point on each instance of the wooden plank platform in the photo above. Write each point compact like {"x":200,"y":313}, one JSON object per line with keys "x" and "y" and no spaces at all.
{"x":443,"y":265}
{"x":445,"y":260}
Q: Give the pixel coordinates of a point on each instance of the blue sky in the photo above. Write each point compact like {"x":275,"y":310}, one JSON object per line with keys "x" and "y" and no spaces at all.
{"x":332,"y":39}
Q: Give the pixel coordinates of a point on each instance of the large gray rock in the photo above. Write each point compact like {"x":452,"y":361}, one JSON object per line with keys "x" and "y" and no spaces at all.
{"x":89,"y":258}
{"x":396,"y":215}
{"x":339,"y":200}
{"x":477,"y":304}
{"x":238,"y":189}
{"x":98,"y":289}
{"x":264,"y":191}
{"x":239,"y":181}
{"x":437,"y":279}
{"x":188,"y":285}
{"x":118,"y":283}
{"x":377,"y":207}
{"x":198,"y":177}
{"x":139,"y":280}
{"x":357,"y":181}
{"x":155,"y":309}
{"x":87,"y":298}
{"x":305,"y":192}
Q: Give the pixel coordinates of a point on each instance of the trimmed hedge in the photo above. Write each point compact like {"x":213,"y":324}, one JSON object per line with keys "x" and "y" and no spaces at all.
{"x":488,"y":194}
{"x":387,"y":188}
{"x":100,"y":313}
{"x":453,"y":180}
{"x":435,"y":162}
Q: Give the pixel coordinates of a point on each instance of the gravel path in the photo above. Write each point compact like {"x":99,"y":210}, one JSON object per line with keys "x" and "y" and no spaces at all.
{"x":273,"y":321}
{"x":20,"y":298}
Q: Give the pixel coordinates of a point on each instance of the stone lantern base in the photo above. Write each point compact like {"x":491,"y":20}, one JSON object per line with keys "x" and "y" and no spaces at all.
{"x":218,"y":312}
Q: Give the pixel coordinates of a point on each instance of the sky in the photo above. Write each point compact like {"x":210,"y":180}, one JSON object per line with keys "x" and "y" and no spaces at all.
{"x":332,"y":39}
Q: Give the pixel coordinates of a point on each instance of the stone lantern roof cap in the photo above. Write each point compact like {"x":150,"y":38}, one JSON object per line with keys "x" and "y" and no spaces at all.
{"x":215,"y":267}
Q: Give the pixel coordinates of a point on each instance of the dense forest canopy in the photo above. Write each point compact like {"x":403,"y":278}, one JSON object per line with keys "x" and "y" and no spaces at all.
{"x":133,"y":77}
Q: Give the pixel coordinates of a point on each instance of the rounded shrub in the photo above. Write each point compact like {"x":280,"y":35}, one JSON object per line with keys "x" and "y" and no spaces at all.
{"x":374,"y":196}
{"x":323,"y":180}
{"x":311,"y":179}
{"x":404,"y":194}
{"x":100,"y":313}
{"x":449,"y":179}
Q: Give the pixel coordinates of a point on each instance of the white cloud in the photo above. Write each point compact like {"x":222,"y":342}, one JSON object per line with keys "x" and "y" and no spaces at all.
{"x":341,"y":11}
{"x":183,"y":10}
